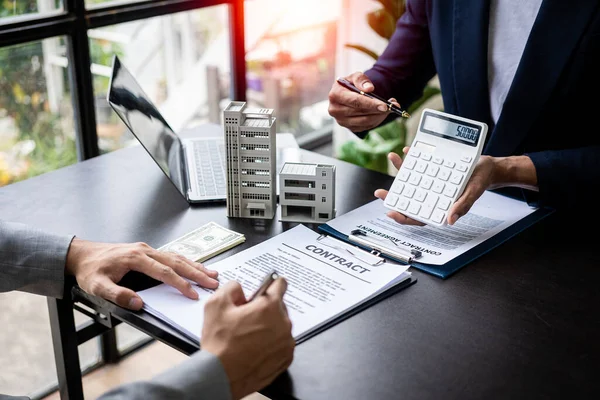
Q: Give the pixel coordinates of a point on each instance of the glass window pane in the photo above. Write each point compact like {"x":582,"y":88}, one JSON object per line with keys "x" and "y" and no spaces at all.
{"x":36,"y":114}
{"x":27,"y":356}
{"x":128,"y":336}
{"x":180,"y":60}
{"x":30,"y":8}
{"x":27,"y":363}
{"x":290,"y":58}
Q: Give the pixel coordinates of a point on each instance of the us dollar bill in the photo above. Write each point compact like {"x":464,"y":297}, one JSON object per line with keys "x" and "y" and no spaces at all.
{"x":204,"y":242}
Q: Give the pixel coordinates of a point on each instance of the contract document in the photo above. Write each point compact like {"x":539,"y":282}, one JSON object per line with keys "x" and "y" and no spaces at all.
{"x":491,"y":214}
{"x":326,"y":279}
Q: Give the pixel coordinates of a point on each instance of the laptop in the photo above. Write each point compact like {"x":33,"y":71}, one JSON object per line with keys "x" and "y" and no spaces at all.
{"x":196,"y":166}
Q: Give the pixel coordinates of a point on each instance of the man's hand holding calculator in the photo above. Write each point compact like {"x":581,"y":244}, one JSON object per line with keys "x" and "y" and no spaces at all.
{"x":443,"y":172}
{"x":481,"y":180}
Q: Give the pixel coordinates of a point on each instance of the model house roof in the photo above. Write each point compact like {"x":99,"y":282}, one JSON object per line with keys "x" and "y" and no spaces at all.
{"x":234,"y":106}
{"x":299,"y":169}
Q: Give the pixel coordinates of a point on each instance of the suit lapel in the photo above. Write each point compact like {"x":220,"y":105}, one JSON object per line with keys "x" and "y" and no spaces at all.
{"x":469,"y":53}
{"x":546,"y":53}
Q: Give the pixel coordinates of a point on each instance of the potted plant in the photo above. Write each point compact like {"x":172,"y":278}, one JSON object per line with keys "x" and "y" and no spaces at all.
{"x":372,"y":151}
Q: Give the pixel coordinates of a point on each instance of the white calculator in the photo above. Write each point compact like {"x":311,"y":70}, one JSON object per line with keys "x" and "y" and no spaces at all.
{"x":437,"y":167}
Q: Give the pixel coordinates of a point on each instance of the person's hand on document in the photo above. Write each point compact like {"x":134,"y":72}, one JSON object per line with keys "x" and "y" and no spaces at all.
{"x":481,"y":180}
{"x":98,"y":267}
{"x":253,"y":339}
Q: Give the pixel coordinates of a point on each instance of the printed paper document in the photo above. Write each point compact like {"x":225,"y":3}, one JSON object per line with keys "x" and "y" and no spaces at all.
{"x":490,"y":214}
{"x":326,"y":278}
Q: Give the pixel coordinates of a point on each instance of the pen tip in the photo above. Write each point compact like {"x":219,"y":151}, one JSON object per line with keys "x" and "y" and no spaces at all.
{"x":405,"y":114}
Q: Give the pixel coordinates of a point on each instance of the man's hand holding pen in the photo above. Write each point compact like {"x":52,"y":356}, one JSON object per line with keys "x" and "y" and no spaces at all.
{"x":355,"y":111}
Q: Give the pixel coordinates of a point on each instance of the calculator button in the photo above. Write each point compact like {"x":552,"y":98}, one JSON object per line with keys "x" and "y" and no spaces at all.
{"x":414,"y":207}
{"x":414,"y":152}
{"x":444,"y":203}
{"x":403,"y":204}
{"x":432,"y":200}
{"x":391,"y":199}
{"x":426,"y":211}
{"x":466,"y":158}
{"x":462,"y":167}
{"x":426,"y":156}
{"x":444,"y":174}
{"x":415,"y":179}
{"x":438,"y":216}
{"x":404,"y":175}
{"x":421,"y":166}
{"x":456,"y":178}
{"x":426,"y":183}
{"x":408,"y":191}
{"x":449,"y":164}
{"x":450,"y":191}
{"x":438,"y":187}
{"x":420,"y":195}
{"x":432,"y":170}
{"x":409,"y":162}
{"x":438,"y":160}
{"x":397,"y":187}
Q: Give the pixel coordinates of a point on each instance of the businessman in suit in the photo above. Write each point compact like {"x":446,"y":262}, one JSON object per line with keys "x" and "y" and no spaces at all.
{"x":244,"y":345}
{"x":522,"y":67}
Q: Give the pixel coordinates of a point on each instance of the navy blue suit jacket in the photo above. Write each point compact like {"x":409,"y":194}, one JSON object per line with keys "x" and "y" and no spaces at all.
{"x":545,"y":114}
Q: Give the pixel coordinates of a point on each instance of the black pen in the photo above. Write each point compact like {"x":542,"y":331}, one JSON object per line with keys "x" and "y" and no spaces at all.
{"x":391,"y":107}
{"x":270,"y":278}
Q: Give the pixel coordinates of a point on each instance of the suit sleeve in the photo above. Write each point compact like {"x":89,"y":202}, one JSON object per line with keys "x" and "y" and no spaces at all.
{"x":200,"y":377}
{"x":566,"y":178}
{"x":406,"y":64}
{"x":32,"y":260}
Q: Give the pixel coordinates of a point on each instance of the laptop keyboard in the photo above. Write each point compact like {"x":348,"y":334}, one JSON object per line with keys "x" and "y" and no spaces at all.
{"x":210,"y":167}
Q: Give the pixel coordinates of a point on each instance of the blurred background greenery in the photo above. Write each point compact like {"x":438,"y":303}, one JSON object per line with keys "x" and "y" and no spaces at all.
{"x":372,"y":151}
{"x":44,"y":139}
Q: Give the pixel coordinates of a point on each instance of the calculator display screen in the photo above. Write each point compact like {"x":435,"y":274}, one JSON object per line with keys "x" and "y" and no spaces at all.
{"x":451,"y":128}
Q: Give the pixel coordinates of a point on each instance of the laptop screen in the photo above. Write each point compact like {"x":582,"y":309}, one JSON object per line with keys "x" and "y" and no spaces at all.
{"x":146,"y":123}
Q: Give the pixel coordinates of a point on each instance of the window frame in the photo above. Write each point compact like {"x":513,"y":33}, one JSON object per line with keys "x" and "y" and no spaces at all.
{"x":74,"y":22}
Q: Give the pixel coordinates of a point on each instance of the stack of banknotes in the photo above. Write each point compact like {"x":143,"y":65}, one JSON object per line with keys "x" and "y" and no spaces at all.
{"x":205,"y":242}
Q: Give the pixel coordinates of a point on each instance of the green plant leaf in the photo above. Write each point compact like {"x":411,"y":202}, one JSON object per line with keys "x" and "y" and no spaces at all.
{"x":359,"y":154}
{"x":372,"y":151}
{"x":382,"y":22}
{"x":395,"y":7}
{"x":363,"y":49}
{"x":391,"y":131}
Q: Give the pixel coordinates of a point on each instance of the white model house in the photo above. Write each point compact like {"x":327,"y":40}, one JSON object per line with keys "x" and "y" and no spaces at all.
{"x":307,"y":192}
{"x":251,"y":161}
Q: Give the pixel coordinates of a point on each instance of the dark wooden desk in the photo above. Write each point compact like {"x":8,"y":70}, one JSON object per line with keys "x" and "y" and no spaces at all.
{"x":520,"y":322}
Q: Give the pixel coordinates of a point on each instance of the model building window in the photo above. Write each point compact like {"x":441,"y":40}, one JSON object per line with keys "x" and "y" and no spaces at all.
{"x":323,"y":173}
{"x":256,"y":196}
{"x":297,"y":183}
{"x":300,"y":196}
{"x":323,"y":186}
{"x":324,"y":215}
{"x":264,"y":185}
{"x":323,"y":199}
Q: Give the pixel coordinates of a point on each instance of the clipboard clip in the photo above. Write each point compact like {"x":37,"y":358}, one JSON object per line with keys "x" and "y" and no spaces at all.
{"x":374,"y":253}
{"x":359,"y":236}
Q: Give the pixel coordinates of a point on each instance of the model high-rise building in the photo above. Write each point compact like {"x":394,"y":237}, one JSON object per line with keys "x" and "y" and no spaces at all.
{"x":307,"y":192}
{"x":251,"y":151}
